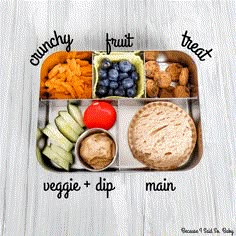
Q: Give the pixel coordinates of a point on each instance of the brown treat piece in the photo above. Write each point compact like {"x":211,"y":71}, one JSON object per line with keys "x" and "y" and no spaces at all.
{"x":151,"y":88}
{"x":157,"y":75}
{"x":181,"y":92}
{"x":163,"y":79}
{"x":151,"y":67}
{"x":150,"y":55}
{"x":183,"y":78}
{"x":174,"y":69}
{"x":167,"y":92}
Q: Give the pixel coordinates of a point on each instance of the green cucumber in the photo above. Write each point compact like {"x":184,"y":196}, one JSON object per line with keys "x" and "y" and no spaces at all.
{"x":67,"y":156}
{"x":69,"y":119}
{"x":76,"y":113}
{"x":38,"y":151}
{"x":56,"y":137}
{"x":55,"y":157}
{"x":65,"y":129}
{"x":40,"y":158}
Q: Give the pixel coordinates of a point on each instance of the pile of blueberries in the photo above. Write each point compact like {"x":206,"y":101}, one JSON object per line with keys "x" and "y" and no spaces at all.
{"x":117,"y":79}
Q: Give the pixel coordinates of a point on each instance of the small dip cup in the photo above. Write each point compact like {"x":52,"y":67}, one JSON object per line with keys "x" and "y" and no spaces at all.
{"x":85,"y":135}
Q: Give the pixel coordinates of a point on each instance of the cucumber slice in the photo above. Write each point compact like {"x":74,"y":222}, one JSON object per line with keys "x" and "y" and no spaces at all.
{"x":52,"y":155}
{"x":38,"y":134}
{"x":56,"y":137}
{"x":76,"y":113}
{"x":67,"y":156}
{"x":65,"y":129}
{"x":40,"y":158}
{"x":69,"y":119}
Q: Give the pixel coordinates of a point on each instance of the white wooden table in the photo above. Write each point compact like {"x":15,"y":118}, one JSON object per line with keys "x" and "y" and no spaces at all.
{"x":204,"y":196}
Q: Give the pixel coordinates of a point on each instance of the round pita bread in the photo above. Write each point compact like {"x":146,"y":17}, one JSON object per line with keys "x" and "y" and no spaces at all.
{"x":162,"y":136}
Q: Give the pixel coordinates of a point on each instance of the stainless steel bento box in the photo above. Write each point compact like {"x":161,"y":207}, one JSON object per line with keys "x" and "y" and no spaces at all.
{"x":126,"y":108}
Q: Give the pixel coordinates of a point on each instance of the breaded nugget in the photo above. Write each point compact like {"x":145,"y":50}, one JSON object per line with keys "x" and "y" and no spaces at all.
{"x":150,"y":55}
{"x":181,"y":92}
{"x":174,"y":69}
{"x":167,"y":92}
{"x":151,"y":88}
{"x":151,"y":67}
{"x":183,"y":77}
{"x":163,"y":79}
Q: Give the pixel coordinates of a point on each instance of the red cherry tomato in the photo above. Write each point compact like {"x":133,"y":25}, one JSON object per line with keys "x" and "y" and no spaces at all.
{"x":100,"y":115}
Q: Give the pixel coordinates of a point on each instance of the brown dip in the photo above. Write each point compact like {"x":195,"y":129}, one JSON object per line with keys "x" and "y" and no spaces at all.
{"x":97,"y":150}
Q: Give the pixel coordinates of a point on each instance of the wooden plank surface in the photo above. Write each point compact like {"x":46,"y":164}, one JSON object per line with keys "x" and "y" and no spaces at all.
{"x":204,"y":197}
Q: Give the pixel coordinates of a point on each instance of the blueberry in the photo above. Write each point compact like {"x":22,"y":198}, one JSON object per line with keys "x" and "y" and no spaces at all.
{"x":114,"y":85}
{"x":104,"y":82}
{"x":134,"y":76}
{"x":112,"y":79}
{"x":133,"y":68}
{"x":131,"y":92}
{"x":125,"y":66}
{"x":110,"y":92}
{"x":101,"y":91}
{"x":115,"y":66}
{"x":119,"y":92}
{"x":106,"y":63}
{"x":123,"y":76}
{"x":120,"y":83}
{"x":113,"y":74}
{"x":127,"y":83}
{"x":102,"y":73}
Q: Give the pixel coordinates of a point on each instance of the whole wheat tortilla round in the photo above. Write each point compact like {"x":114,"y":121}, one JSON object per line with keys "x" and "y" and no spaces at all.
{"x":162,"y":136}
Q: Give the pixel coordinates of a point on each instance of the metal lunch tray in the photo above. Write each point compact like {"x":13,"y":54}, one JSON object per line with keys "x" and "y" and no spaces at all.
{"x":126,"y":108}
